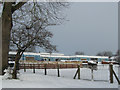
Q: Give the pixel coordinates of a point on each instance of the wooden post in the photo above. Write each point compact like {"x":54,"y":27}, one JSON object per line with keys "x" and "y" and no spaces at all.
{"x":54,"y":66}
{"x":60,"y":66}
{"x":78,"y":71}
{"x":30,"y":66}
{"x":111,"y":73}
{"x":58,"y":70}
{"x":38,"y":66}
{"x":24,"y":68}
{"x":92,"y":73}
{"x":33,"y":68}
{"x":45,"y":66}
{"x":75,"y":74}
{"x":116,"y":77}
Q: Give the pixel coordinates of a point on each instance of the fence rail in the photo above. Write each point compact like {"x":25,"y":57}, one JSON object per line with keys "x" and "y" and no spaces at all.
{"x":48,"y":66}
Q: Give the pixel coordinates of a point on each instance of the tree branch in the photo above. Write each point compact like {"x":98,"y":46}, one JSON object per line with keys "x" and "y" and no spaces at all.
{"x":19,"y":5}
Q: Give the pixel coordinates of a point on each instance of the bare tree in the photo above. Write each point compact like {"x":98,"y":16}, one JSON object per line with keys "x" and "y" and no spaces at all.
{"x":30,"y":28}
{"x":8,"y":9}
{"x":31,"y":49}
{"x":79,"y":53}
{"x":104,"y":53}
{"x":49,"y":10}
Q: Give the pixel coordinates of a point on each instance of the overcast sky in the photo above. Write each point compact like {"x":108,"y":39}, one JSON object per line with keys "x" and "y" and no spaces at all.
{"x":92,"y":27}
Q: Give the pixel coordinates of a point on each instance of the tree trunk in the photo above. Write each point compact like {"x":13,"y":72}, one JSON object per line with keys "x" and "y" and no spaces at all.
{"x":6,"y":28}
{"x":0,"y":46}
{"x":17,"y":58}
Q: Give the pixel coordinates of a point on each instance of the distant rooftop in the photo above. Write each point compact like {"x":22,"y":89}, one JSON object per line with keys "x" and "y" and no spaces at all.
{"x":31,"y":53}
{"x":57,"y":55}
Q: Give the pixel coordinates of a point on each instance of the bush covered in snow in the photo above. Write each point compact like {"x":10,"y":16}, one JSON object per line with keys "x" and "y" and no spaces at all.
{"x":8,"y":73}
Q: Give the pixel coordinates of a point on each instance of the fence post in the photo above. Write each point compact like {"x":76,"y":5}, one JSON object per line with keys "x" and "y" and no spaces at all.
{"x":78,"y":71}
{"x":111,"y":73}
{"x":39,"y":66}
{"x":30,"y":66}
{"x":92,"y":73}
{"x":116,"y":76}
{"x":58,"y":70}
{"x":24,"y":68}
{"x":45,"y":69}
{"x":33,"y":68}
{"x":119,"y":76}
{"x":75,"y":74}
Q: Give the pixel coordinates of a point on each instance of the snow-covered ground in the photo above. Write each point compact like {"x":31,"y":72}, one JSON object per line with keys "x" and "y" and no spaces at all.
{"x":39,"y":80}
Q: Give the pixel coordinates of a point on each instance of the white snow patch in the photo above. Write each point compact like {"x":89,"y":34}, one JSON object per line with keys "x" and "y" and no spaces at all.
{"x":38,"y":80}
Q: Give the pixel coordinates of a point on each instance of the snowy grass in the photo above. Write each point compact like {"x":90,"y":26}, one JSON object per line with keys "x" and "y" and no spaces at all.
{"x":38,"y":80}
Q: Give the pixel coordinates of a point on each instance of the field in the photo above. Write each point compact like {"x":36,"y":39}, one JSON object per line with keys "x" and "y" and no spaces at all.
{"x":29,"y":79}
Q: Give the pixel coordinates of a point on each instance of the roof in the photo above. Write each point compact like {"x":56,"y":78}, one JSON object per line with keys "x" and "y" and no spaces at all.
{"x":56,"y":54}
{"x":91,"y":56}
{"x":31,"y":53}
{"x":11,"y":52}
{"x":59,"y":55}
{"x":41,"y":54}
